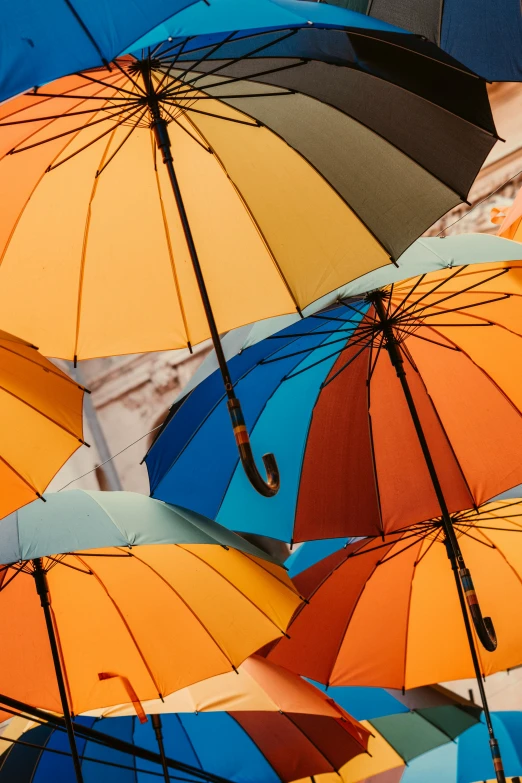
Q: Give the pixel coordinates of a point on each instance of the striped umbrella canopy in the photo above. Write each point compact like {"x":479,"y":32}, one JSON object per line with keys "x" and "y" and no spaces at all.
{"x":295,"y":173}
{"x":193,"y":187}
{"x":325,"y":393}
{"x":133,"y":599}
{"x":243,"y":747}
{"x":486,"y":36}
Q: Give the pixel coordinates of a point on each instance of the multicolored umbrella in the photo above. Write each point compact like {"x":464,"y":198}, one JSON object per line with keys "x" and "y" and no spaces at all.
{"x":414,"y":723}
{"x":247,"y":122}
{"x":139,"y":599}
{"x":485,"y":36}
{"x":345,"y":444}
{"x":226,"y":746}
{"x":42,"y":41}
{"x":40,"y":419}
{"x":404,"y":587}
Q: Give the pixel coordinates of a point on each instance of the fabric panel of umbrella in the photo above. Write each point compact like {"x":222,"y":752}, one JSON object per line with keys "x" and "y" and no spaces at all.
{"x":126,"y":565}
{"x":414,"y":617}
{"x":234,"y":108}
{"x":241,"y":747}
{"x":40,"y":418}
{"x":484,"y":37}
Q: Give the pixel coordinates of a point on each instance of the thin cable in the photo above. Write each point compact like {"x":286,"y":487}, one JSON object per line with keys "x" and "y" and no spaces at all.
{"x":479,"y":203}
{"x":111,"y":458}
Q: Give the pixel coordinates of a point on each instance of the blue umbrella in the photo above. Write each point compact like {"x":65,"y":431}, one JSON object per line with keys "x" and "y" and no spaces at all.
{"x":310,"y":552}
{"x":42,"y":41}
{"x":469,"y":759}
{"x":485,"y":36}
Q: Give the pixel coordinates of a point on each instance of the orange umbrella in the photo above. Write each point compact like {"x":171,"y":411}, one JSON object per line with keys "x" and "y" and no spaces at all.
{"x":40,"y":420}
{"x":139,"y":599}
{"x":386,"y":613}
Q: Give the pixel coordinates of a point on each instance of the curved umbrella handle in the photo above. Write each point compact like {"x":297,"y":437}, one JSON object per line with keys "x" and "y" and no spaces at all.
{"x":268,"y":487}
{"x":483,"y":625}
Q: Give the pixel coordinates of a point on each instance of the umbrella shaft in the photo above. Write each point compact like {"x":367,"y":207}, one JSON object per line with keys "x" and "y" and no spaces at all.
{"x":42,"y":589}
{"x":161,"y":134}
{"x":156,"y":724}
{"x":452,"y":545}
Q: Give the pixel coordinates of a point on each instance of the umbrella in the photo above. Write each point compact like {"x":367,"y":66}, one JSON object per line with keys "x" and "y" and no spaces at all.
{"x":466,"y":762}
{"x":165,"y":598}
{"x":405,"y":588}
{"x":316,"y":410}
{"x":42,"y":41}
{"x":40,"y":419}
{"x":107,"y":251}
{"x":485,"y":36}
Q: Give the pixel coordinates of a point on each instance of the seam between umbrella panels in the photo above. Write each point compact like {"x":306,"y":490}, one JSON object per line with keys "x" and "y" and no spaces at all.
{"x":86,"y":239}
{"x":122,"y":618}
{"x":408,"y":615}
{"x":258,"y":561}
{"x":303,"y":157}
{"x":169,"y":245}
{"x":51,"y":369}
{"x":256,"y":746}
{"x":185,"y":604}
{"x":483,"y":371}
{"x":446,"y":436}
{"x":26,"y":481}
{"x":314,"y":745}
{"x":249,"y":212}
{"x":189,"y":740}
{"x":40,"y":413}
{"x":236,"y":588}
{"x":73,"y":136}
{"x":92,"y":497}
{"x":359,"y":122}
{"x":39,"y":755}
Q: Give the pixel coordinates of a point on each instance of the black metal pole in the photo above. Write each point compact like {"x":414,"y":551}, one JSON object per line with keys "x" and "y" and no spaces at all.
{"x":19,"y":707}
{"x":159,"y":126}
{"x":156,"y":724}
{"x":452,"y":545}
{"x":42,"y":589}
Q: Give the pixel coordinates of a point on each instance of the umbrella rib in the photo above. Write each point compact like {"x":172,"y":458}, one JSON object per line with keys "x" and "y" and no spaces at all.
{"x":372,"y":363}
{"x":171,"y":254}
{"x":465,"y":307}
{"x":41,"y":413}
{"x":238,"y":590}
{"x":51,"y":369}
{"x":174,"y":118}
{"x":95,"y":140}
{"x":19,"y":475}
{"x":454,"y":293}
{"x":250,"y":215}
{"x":187,"y":606}
{"x":309,"y":350}
{"x":118,"y":148}
{"x":344,"y":367}
{"x":182,"y":108}
{"x":125,"y":624}
{"x":84,"y":246}
{"x":225,"y":81}
{"x":84,"y":75}
{"x":431,"y":291}
{"x":210,"y":51}
{"x":400,"y":306}
{"x":13,"y":576}
{"x":130,"y":78}
{"x":437,"y":538}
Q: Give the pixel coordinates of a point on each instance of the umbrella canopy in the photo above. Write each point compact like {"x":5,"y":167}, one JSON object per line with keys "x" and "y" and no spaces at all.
{"x":484,"y":36}
{"x":42,"y":41}
{"x":40,"y":419}
{"x":95,"y":259}
{"x":379,"y":611}
{"x":223,"y":744}
{"x":466,"y":761}
{"x":132,"y":614}
{"x":324,"y":392}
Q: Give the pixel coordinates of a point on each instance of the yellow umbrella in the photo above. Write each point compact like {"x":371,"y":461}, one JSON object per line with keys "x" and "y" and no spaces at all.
{"x":40,"y":421}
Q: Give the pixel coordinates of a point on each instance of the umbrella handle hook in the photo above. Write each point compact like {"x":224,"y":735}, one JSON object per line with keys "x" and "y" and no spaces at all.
{"x":269,"y":487}
{"x":483,"y":625}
